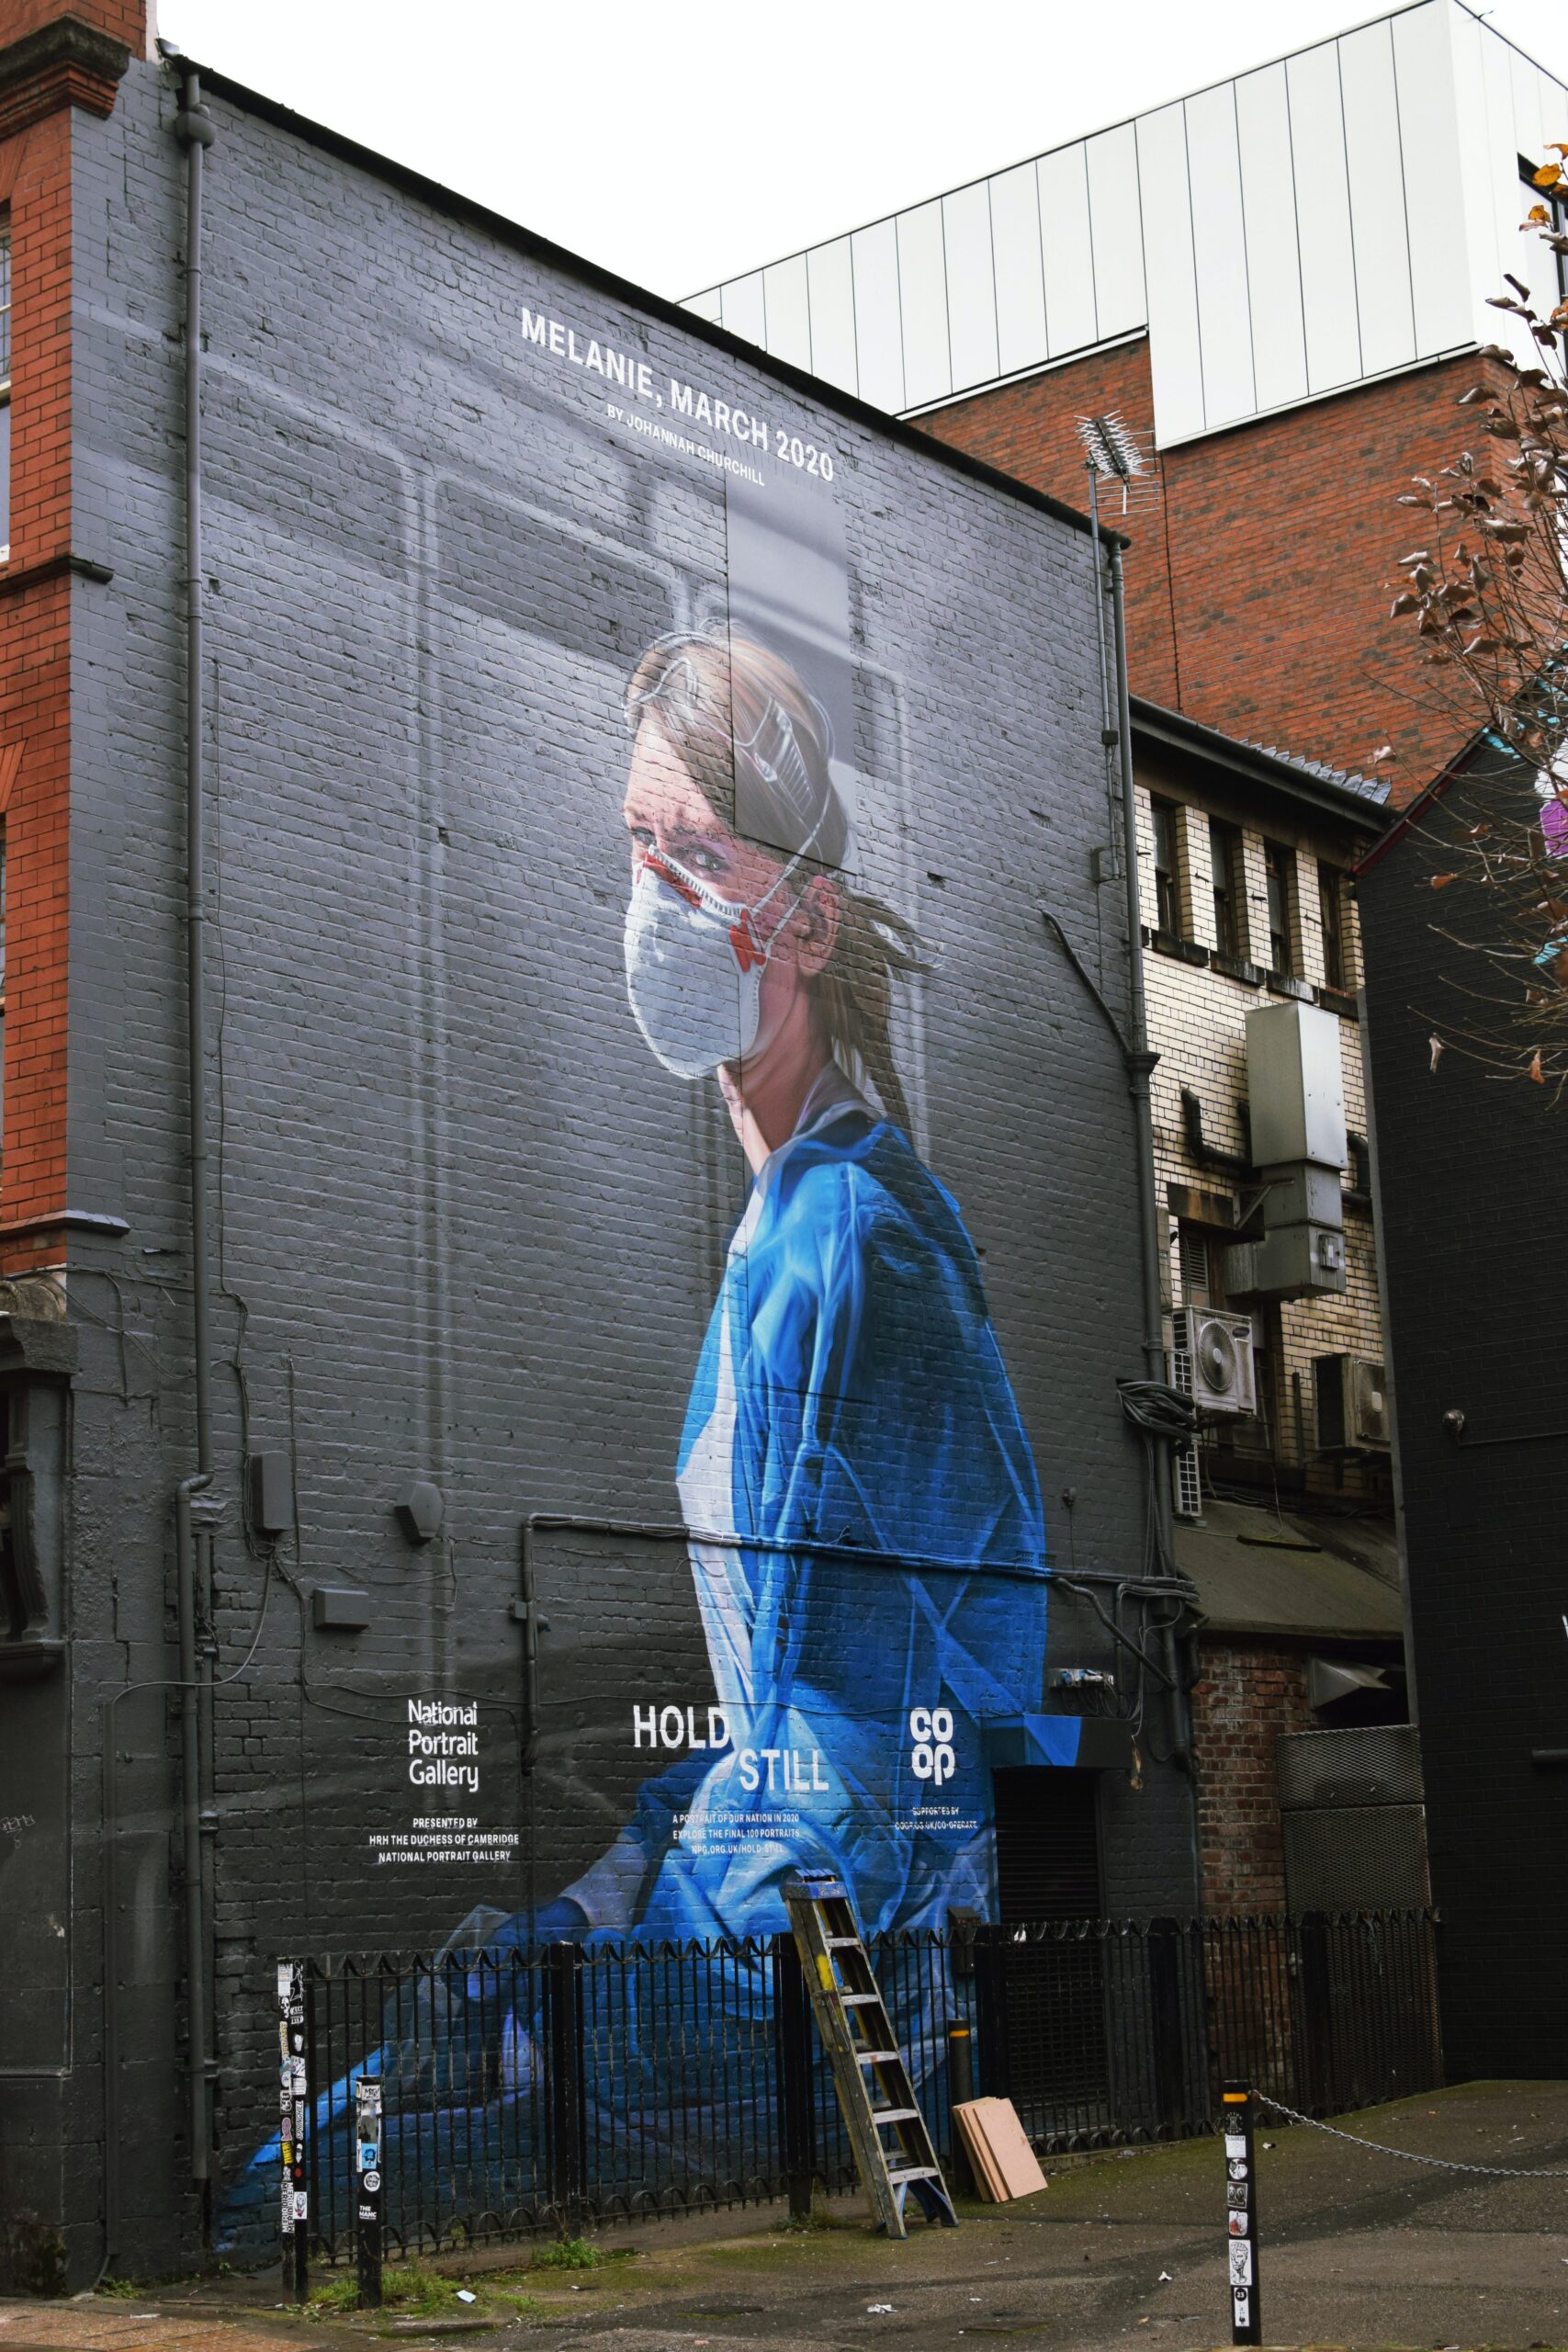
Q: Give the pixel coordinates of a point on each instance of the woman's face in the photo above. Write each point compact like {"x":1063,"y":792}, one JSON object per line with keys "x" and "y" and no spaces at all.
{"x":666,"y":810}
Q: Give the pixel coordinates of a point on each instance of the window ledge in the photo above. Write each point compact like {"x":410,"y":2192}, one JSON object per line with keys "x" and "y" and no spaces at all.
{"x":1237,"y":968}
{"x":1184,"y":951}
{"x":1286,"y":984}
{"x":1336,"y":1000}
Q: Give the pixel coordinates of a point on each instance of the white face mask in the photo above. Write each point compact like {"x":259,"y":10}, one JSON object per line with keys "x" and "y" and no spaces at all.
{"x":694,"y":966}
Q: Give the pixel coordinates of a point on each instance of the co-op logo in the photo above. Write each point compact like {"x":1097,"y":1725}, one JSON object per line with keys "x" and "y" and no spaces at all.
{"x":931,"y":1758}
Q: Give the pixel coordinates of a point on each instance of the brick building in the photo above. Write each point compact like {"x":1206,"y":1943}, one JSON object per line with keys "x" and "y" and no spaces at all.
{"x":1280,"y":284}
{"x":380,"y":1252}
{"x":1284,"y":1520}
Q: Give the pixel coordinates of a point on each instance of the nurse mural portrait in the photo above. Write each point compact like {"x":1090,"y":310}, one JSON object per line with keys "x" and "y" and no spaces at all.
{"x":852,"y":1461}
{"x":863,"y":1517}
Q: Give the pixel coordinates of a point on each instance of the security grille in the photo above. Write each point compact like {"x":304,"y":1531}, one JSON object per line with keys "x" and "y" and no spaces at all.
{"x":1374,"y":1764}
{"x":1356,"y":1857}
{"x":1353,"y":1820}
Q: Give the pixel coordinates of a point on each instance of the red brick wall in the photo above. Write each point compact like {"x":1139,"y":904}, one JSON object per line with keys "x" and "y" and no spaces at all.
{"x":1257,"y":589}
{"x":124,"y":21}
{"x":35,"y":737}
{"x":1249,"y":1694}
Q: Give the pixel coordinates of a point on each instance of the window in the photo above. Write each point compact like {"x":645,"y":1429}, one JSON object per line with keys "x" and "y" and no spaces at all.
{"x":1555,"y":204}
{"x":1279,"y":864}
{"x":5,"y":391}
{"x":1331,"y":900}
{"x":1224,"y":856}
{"x":1167,"y":896}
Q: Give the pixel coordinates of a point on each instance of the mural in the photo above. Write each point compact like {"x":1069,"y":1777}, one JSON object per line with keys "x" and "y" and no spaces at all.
{"x":862,"y":1515}
{"x":853,"y":1451}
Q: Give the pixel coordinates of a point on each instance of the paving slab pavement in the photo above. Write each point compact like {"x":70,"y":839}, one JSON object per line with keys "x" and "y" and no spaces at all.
{"x":1357,"y":2250}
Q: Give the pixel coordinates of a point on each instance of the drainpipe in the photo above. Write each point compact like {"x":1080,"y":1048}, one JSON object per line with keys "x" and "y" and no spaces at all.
{"x":1140,"y":1060}
{"x":192,"y":128}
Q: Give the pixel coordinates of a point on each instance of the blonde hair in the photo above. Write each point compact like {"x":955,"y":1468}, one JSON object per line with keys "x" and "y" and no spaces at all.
{"x":721,"y":702}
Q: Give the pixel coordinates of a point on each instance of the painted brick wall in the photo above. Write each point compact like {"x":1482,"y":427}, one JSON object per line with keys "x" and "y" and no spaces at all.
{"x":467,"y":1230}
{"x":1250,"y":1692}
{"x":1257,"y":586}
{"x":1475,"y":1309}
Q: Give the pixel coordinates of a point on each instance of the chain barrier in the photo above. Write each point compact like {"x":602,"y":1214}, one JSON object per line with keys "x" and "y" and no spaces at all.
{"x":1440,"y":2164}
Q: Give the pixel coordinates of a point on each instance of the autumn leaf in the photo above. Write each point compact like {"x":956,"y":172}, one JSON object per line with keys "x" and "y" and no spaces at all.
{"x":1535,"y":1067}
{"x":1437,"y":1045}
{"x":1550,"y":175}
{"x":1441,"y":881}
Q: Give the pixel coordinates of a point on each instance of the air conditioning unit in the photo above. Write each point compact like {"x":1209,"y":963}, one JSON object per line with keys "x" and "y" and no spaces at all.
{"x":1186,"y":1481}
{"x":1212,"y":1359}
{"x":1351,"y":1400}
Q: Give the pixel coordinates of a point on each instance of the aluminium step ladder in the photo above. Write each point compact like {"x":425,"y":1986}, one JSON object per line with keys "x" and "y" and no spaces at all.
{"x":876,"y":2095}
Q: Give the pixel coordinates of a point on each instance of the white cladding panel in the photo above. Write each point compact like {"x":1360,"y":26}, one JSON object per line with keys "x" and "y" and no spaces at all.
{"x":1273,"y":259}
{"x":1322,"y":218}
{"x":971,"y":284}
{"x":1218,"y":250}
{"x":1170,"y":274}
{"x":1424,"y":67}
{"x":745,"y":312}
{"x":1068,"y":250}
{"x":787,"y":310}
{"x":831,"y":289}
{"x":922,"y":293}
{"x":1116,"y":219}
{"x":1020,"y":279}
{"x":879,"y":342}
{"x":1327,"y":219}
{"x":1375,"y":177}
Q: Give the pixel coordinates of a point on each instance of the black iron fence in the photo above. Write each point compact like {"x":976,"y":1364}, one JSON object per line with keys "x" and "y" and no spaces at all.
{"x":538,"y":2091}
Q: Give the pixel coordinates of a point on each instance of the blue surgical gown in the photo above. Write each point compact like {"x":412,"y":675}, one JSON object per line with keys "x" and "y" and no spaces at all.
{"x":876,"y":1594}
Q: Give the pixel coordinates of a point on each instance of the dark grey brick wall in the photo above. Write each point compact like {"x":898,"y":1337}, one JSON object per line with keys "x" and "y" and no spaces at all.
{"x":466,"y":1227}
{"x":1468,"y":1167}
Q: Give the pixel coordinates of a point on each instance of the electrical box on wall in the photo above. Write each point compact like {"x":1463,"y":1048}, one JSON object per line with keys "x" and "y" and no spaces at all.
{"x":270,"y":1484}
{"x":1350,"y":1396}
{"x":1295,"y":1086}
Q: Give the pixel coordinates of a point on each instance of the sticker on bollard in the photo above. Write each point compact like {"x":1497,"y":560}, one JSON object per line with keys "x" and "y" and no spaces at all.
{"x":294,"y":2101}
{"x":1241,"y":2215}
{"x":367,"y":2198}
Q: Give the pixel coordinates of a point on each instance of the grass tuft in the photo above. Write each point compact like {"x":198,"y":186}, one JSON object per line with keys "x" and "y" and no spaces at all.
{"x":567,"y":2254}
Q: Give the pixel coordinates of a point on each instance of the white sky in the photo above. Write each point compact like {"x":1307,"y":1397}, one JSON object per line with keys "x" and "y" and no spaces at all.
{"x":681,"y":146}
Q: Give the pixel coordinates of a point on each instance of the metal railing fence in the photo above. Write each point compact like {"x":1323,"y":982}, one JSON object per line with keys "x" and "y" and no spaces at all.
{"x":535,"y":2090}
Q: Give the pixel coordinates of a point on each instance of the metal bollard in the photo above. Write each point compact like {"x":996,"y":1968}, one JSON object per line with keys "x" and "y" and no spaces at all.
{"x":1241,"y":2215}
{"x":293,"y":2103}
{"x":960,"y":2089}
{"x":367,"y":2186}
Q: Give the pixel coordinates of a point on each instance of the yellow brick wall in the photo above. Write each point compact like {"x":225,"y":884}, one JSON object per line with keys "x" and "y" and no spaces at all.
{"x":1197,"y":1019}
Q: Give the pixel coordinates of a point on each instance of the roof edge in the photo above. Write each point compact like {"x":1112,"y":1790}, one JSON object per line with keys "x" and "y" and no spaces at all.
{"x":1177,"y":731}
{"x":526,"y":241}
